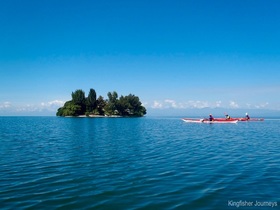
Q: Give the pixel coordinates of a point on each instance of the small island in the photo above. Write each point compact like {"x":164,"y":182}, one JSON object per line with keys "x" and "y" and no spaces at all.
{"x":114,"y":106}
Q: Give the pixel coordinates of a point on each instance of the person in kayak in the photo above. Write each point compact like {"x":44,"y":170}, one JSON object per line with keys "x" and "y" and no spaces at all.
{"x":227,"y":117}
{"x":247,"y":116}
{"x":211,"y":118}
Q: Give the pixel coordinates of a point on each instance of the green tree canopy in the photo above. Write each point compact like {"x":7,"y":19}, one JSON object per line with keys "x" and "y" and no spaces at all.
{"x":111,"y":106}
{"x":101,"y":103}
{"x":112,"y":96}
{"x":131,"y":106}
{"x":91,"y":100}
{"x":78,"y":97}
{"x":80,"y":105}
{"x":69,"y":109}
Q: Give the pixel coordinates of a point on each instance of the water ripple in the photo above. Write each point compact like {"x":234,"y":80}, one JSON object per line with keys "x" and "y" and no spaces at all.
{"x":139,"y":163}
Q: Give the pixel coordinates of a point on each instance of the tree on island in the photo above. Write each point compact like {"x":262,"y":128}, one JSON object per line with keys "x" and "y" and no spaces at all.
{"x":80,"y":105}
{"x":112,"y":103}
{"x":91,"y":102}
{"x":101,"y":104}
{"x":79,"y":99}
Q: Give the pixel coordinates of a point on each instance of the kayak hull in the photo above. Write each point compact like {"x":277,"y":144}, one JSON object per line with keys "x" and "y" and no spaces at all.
{"x":250,"y":120}
{"x":208,"y":121}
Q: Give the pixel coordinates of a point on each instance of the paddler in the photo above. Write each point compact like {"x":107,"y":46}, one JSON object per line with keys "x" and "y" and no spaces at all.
{"x":228,"y":117}
{"x":247,"y":116}
{"x":211,"y":118}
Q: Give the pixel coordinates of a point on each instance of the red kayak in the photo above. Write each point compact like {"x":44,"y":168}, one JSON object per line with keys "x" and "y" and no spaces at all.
{"x":248,"y":120}
{"x":218,"y":120}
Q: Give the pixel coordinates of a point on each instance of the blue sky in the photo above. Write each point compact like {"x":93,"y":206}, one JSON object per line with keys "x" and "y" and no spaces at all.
{"x":178,"y":55}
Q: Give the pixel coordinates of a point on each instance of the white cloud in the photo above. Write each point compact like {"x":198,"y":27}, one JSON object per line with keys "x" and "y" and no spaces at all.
{"x":198,"y":104}
{"x":261,"y":106}
{"x":5,"y":105}
{"x":182,"y":105}
{"x":50,"y":107}
{"x":171,"y":103}
{"x":233,"y":105}
{"x":157,"y":105}
{"x":27,"y":108}
{"x":218,"y":103}
{"x":18,"y":109}
{"x":145,"y":104}
{"x":52,"y":104}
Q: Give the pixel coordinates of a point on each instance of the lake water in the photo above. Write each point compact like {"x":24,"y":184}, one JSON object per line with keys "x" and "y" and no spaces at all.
{"x":138,"y":163}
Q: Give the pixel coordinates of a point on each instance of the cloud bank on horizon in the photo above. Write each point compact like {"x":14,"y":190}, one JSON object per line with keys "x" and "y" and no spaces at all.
{"x":168,"y":103}
{"x":163,"y":107}
{"x":44,"y":108}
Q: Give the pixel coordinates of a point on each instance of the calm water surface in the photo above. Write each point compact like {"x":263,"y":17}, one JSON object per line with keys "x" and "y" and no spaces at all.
{"x":137,"y":163}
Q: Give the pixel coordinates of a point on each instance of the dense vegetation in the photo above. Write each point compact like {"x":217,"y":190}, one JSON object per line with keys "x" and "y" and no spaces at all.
{"x":123,"y":106}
